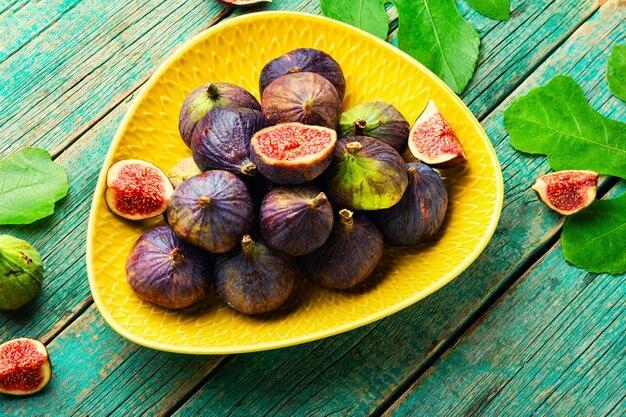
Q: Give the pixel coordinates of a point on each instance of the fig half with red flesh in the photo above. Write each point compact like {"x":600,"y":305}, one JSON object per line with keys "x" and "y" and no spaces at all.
{"x":433,"y":141}
{"x":567,"y":192}
{"x":137,"y":189}
{"x":303,"y":97}
{"x":292,"y":153}
{"x":24,"y":367}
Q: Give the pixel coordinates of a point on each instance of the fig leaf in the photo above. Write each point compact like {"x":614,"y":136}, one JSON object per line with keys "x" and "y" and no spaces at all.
{"x":595,"y":238}
{"x":556,"y":120}
{"x":30,"y":184}
{"x":493,"y":9}
{"x":432,"y":31}
{"x":616,"y":71}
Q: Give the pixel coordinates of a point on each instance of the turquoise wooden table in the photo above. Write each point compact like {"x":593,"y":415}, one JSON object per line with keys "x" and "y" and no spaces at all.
{"x":521,"y":332}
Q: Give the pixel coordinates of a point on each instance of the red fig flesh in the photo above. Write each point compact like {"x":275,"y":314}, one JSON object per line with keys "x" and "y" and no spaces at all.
{"x":137,"y":190}
{"x":433,"y":141}
{"x":567,"y":192}
{"x":24,"y":367}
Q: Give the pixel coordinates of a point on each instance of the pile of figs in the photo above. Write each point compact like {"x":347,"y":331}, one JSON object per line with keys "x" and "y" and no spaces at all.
{"x":287,"y":189}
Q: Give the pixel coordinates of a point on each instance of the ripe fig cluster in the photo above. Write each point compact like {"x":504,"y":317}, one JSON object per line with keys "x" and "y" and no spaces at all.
{"x":283,"y":189}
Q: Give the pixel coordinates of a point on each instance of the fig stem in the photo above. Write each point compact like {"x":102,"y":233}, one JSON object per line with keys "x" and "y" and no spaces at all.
{"x":176,"y":255}
{"x":359,"y":127}
{"x":353,"y":148}
{"x":346,"y":216}
{"x":247,"y":245}
{"x":294,"y":70}
{"x":211,"y":90}
{"x":204,"y":202}
{"x":319,"y":201}
{"x":413,"y":171}
{"x":307,"y":106}
{"x":249,"y":169}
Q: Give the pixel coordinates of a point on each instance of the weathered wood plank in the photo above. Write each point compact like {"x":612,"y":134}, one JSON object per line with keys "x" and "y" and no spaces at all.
{"x":553,"y":345}
{"x":353,"y":373}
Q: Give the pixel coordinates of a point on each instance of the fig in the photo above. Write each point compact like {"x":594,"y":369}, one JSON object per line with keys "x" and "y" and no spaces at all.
{"x":24,"y":367}
{"x":21,"y":272}
{"x":433,"y":142}
{"x":222,"y":138}
{"x":137,"y":189}
{"x":296,"y":220}
{"x":254,"y":279}
{"x":349,"y":256}
{"x":166,"y":271}
{"x":211,"y":210}
{"x":366,"y":174}
{"x":292,"y":153}
{"x":304,"y":60}
{"x":567,"y":192}
{"x":184,"y":169}
{"x":246,"y":2}
{"x":303,"y":97}
{"x":420,"y":212}
{"x":206,"y":97}
{"x":376,"y":119}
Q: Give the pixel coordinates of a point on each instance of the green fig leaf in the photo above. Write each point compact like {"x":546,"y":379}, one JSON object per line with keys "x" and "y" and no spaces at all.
{"x":595,"y":238}
{"x":556,"y":120}
{"x":493,"y":9}
{"x":616,"y":71}
{"x":432,"y":31}
{"x":30,"y":185}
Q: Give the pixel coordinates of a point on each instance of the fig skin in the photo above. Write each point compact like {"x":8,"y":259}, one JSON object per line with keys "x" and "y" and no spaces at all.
{"x":304,"y":60}
{"x":212,"y":210}
{"x":21,"y":272}
{"x":567,"y":192}
{"x":348,"y":257}
{"x":303,"y":97}
{"x":166,"y":271}
{"x":24,"y":367}
{"x":420,"y":212}
{"x":296,"y":220}
{"x":254,"y":279}
{"x":183,"y":170}
{"x":208,"y":96}
{"x":376,"y":119}
{"x":433,"y":142}
{"x":288,"y":138}
{"x":221,"y":139}
{"x":366,"y":174}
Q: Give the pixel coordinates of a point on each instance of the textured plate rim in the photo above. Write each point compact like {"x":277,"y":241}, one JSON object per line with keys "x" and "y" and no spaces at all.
{"x":99,"y":192}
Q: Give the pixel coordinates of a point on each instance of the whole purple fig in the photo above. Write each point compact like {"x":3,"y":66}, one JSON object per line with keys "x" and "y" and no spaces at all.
{"x":254,"y":279}
{"x":222,"y":137}
{"x":206,"y":97}
{"x":419,"y":213}
{"x":296,"y":220}
{"x":166,"y":271}
{"x":349,"y":256}
{"x":211,"y":210}
{"x":304,"y":60}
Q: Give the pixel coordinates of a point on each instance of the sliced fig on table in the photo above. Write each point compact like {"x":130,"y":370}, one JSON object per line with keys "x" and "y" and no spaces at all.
{"x":420,"y":212}
{"x":304,"y":60}
{"x":296,"y":220}
{"x":183,"y":170}
{"x":137,"y":189}
{"x":376,"y":119}
{"x":349,"y":256}
{"x":303,"y":97}
{"x":292,"y":153}
{"x":24,"y":367}
{"x":208,"y":96}
{"x":254,"y":279}
{"x":567,"y":192}
{"x":433,"y":142}
{"x":221,"y":139}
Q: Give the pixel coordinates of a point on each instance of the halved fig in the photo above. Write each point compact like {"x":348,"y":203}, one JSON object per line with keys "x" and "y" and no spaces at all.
{"x":24,"y":367}
{"x":183,"y":170}
{"x":433,"y":141}
{"x":303,"y":97}
{"x":567,"y":192}
{"x":292,"y":153}
{"x":137,"y":189}
{"x":304,"y":60}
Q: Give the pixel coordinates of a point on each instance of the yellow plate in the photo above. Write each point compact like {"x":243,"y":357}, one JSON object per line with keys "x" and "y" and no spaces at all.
{"x":235,"y":51}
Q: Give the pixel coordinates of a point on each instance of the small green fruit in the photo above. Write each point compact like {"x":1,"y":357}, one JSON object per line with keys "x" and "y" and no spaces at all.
{"x":21,"y":272}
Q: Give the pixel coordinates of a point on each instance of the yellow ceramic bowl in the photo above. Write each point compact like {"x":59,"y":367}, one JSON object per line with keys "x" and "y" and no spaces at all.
{"x":235,"y":51}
